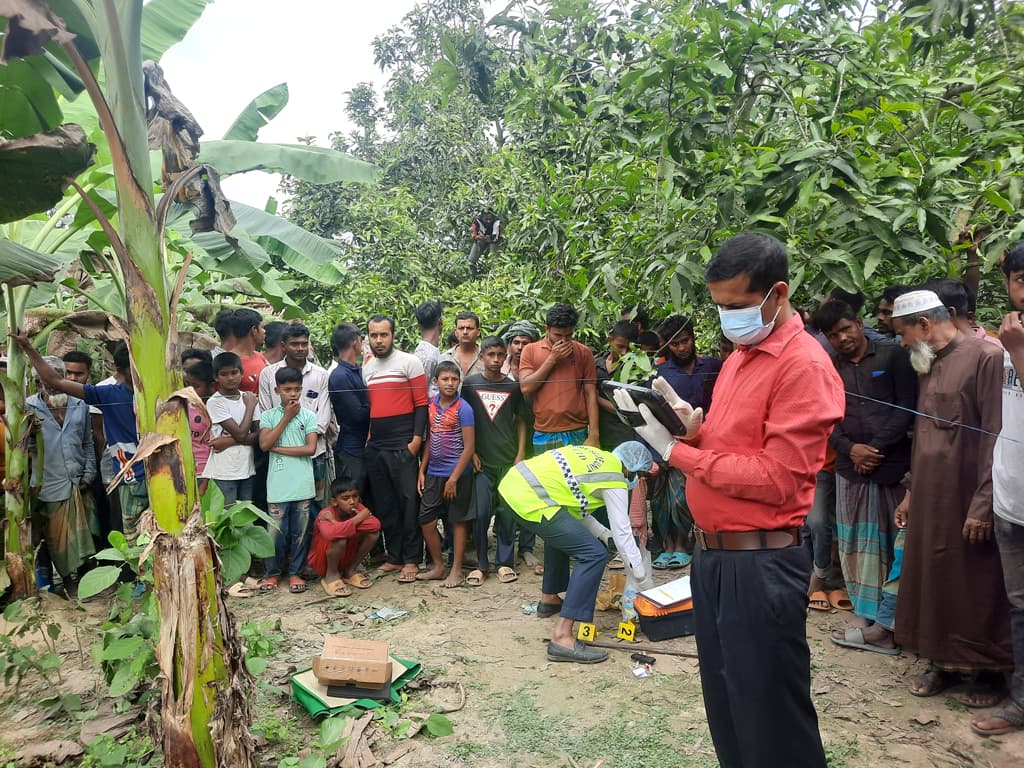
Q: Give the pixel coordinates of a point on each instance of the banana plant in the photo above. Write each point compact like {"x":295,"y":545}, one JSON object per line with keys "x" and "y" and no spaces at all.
{"x":205,"y":688}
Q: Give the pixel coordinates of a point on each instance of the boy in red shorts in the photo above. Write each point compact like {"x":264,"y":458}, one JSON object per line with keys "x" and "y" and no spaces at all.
{"x":343,"y":535}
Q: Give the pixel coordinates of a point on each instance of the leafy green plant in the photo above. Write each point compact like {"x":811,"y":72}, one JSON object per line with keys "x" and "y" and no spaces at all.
{"x":238,"y":537}
{"x":133,"y":750}
{"x":395,"y":719}
{"x":128,"y":558}
{"x":126,"y":651}
{"x":261,"y":640}
{"x":634,"y":367}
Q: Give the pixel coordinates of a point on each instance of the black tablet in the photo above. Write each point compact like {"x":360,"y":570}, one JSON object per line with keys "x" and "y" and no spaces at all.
{"x":652,"y":398}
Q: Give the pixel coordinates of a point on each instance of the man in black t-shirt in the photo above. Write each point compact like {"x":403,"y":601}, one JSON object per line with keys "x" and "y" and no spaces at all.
{"x":501,"y":440}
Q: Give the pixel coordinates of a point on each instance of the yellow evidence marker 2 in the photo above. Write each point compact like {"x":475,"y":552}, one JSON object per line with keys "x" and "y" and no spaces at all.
{"x":587,"y":632}
{"x":627,"y":631}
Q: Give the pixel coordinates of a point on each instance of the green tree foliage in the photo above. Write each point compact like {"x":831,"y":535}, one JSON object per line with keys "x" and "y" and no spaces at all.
{"x":621,"y":142}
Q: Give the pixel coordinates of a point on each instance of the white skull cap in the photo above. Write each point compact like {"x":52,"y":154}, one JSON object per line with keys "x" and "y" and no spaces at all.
{"x":915,"y":302}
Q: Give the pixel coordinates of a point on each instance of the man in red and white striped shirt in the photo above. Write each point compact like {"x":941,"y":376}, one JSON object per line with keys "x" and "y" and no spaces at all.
{"x":397,"y":388}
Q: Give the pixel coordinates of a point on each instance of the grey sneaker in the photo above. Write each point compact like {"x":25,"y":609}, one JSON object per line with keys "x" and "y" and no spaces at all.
{"x":580,"y":653}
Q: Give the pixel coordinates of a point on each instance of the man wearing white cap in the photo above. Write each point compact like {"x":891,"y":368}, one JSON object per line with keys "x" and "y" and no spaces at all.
{"x":952,"y":606}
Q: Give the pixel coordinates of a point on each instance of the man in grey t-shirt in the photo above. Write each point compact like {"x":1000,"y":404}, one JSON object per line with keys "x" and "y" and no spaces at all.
{"x":1008,"y":494}
{"x":428,"y":317}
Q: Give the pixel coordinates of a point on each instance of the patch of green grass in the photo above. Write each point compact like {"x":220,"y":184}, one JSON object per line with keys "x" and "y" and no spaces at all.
{"x":622,"y":739}
{"x":956,"y":706}
{"x":836,"y":755}
{"x":470,"y":751}
{"x":283,"y":732}
{"x":6,"y":755}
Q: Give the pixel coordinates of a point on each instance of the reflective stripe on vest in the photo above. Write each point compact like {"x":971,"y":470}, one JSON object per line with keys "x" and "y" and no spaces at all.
{"x":571,"y":477}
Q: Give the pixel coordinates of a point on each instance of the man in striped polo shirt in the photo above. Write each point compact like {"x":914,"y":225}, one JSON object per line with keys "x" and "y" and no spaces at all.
{"x":398,"y":418}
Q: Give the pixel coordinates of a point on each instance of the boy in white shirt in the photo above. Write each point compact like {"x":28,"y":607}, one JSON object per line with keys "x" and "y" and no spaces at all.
{"x":235,"y":417}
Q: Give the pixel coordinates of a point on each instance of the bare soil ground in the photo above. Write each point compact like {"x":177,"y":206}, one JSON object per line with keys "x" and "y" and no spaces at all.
{"x":522,"y":710}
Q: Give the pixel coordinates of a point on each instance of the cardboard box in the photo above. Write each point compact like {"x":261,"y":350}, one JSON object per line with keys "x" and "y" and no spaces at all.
{"x":344,"y":661}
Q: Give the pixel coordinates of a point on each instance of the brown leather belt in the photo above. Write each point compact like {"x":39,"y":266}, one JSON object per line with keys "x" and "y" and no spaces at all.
{"x":748,"y":540}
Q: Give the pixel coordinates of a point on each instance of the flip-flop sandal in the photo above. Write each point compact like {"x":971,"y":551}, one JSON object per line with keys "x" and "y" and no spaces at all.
{"x":296,"y":585}
{"x":240,"y":590}
{"x":818,"y":601}
{"x":853,"y":637}
{"x":268,"y":585}
{"x":679,"y":560}
{"x":935,"y":682}
{"x":407,"y":576}
{"x":476,"y":578}
{"x":661,"y":561}
{"x":336,"y":588}
{"x":359,"y":580}
{"x":616,"y":563}
{"x":840,"y":600}
{"x":506,"y":575}
{"x":1011,"y":714}
{"x":971,"y":697}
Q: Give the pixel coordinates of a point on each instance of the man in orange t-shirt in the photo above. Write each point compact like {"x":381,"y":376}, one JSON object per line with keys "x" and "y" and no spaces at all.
{"x":560,"y":376}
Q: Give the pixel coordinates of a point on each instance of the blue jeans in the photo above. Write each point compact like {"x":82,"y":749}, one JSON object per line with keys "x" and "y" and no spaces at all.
{"x":290,"y":532}
{"x":564,"y":537}
{"x":235,"y":490}
{"x":818,"y":525}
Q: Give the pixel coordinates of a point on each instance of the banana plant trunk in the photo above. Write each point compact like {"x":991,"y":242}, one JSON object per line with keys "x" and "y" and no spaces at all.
{"x":204,"y":718}
{"x":204,"y":702}
{"x":18,"y":549}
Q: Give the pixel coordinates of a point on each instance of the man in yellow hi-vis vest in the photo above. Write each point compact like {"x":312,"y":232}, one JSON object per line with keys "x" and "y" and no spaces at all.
{"x":554,"y":495}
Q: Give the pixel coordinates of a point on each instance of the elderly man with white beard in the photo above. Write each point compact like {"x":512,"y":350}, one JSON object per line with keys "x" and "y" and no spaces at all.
{"x":63,"y":509}
{"x":952,"y":607}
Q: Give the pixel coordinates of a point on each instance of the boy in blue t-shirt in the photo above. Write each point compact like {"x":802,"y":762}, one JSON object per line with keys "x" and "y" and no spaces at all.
{"x":288,"y":433}
{"x":120,"y":427}
{"x":446,"y":475}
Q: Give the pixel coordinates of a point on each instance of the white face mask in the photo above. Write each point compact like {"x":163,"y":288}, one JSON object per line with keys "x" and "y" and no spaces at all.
{"x":745,"y":326}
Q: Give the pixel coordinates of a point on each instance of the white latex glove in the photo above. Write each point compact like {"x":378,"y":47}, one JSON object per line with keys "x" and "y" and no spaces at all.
{"x":603,"y":534}
{"x":652,"y":431}
{"x":639,"y":572}
{"x":691,"y":417}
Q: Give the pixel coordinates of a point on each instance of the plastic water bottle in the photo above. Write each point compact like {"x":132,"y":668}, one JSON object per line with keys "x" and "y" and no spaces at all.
{"x":628,"y":597}
{"x":634,"y":586}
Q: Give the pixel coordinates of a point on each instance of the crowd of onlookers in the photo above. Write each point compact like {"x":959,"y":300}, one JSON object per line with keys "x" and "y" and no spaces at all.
{"x":920,"y":483}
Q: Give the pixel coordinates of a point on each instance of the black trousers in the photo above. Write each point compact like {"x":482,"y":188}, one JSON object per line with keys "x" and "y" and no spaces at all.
{"x":353,"y":468}
{"x":392,"y":476}
{"x":751,"y":626}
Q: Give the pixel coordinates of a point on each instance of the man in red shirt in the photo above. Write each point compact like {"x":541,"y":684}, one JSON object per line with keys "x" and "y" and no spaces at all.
{"x":750,"y":483}
{"x":247,"y":327}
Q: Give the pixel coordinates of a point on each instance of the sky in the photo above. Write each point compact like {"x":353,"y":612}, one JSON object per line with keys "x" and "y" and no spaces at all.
{"x":240,"y":48}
